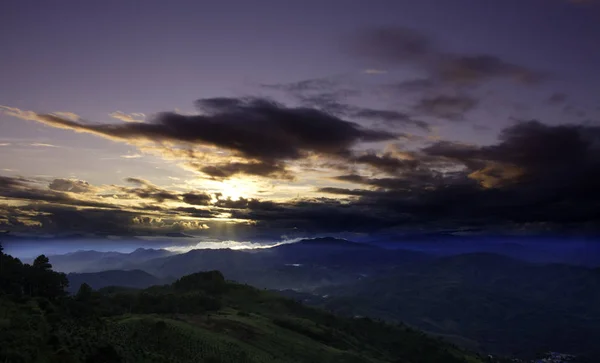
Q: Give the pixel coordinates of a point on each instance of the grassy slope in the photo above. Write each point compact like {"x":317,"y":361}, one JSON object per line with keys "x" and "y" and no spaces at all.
{"x":252,"y":326}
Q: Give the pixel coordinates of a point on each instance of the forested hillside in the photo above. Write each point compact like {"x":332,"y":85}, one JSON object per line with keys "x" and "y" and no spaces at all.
{"x":199,"y":318}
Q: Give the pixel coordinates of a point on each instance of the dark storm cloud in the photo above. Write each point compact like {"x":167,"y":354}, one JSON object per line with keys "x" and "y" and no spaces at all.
{"x":386,"y":162}
{"x":253,"y":128}
{"x":535,"y":175}
{"x":345,"y":191}
{"x":12,"y":182}
{"x":326,"y":95}
{"x":318,"y":216}
{"x":402,"y":46}
{"x":558,"y":170}
{"x":146,"y":190}
{"x":196,"y":198}
{"x":535,"y":147}
{"x":446,"y":107}
{"x":266,"y":169}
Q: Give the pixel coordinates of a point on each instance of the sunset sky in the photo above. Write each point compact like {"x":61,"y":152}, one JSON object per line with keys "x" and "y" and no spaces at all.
{"x":263,"y":119}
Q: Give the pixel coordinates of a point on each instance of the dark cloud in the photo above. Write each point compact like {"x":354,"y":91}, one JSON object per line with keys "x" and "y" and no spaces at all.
{"x":196,"y":198}
{"x":27,"y":190}
{"x":479,"y":68}
{"x":344,"y":191}
{"x":402,"y":46}
{"x":147,"y":190}
{"x":266,"y":169}
{"x":387,"y":162}
{"x":317,"y":216}
{"x":446,"y":107}
{"x":326,"y":95}
{"x":535,"y":175}
{"x":12,"y":182}
{"x":308,"y":85}
{"x":253,"y":128}
{"x":138,"y":181}
{"x":390,"y":117}
{"x":70,"y":185}
{"x":48,"y":211}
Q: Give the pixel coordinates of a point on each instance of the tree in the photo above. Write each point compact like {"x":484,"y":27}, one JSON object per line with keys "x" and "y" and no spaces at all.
{"x":40,"y":280}
{"x":11,"y":275}
{"x":42,"y":262}
{"x":84,"y":293}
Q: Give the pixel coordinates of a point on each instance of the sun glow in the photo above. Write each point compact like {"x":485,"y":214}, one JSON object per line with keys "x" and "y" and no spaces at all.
{"x":236,"y":188}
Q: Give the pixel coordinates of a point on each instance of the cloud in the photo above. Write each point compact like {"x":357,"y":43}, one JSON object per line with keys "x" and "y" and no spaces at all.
{"x":128,"y":117}
{"x":534,"y":174}
{"x":331,"y":96}
{"x":252,"y":128}
{"x":479,"y":68}
{"x":70,"y":185}
{"x":387,"y":162}
{"x":197,"y":198}
{"x":344,"y":191}
{"x":221,"y":171}
{"x":40,"y":144}
{"x":132,"y":156}
{"x":74,"y":206}
{"x":400,"y":46}
{"x":446,"y":107}
{"x":388,"y":116}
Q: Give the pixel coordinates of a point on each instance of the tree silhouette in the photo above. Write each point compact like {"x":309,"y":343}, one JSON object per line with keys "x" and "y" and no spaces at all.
{"x":84,"y":293}
{"x":42,"y":262}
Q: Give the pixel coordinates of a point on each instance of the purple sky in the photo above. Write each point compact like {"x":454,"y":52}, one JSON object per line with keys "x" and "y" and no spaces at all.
{"x":492,"y":64}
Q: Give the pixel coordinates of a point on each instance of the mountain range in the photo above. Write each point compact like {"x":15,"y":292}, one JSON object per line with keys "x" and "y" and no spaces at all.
{"x":483,"y":301}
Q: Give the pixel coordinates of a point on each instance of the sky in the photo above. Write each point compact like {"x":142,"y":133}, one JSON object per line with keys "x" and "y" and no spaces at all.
{"x":242,"y":121}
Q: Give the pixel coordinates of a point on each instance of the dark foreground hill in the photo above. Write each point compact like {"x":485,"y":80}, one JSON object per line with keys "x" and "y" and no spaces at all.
{"x":132,"y":278}
{"x":198,"y":318}
{"x":499,"y":304}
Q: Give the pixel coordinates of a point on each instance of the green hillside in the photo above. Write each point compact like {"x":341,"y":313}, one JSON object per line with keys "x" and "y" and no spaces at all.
{"x":198,"y":318}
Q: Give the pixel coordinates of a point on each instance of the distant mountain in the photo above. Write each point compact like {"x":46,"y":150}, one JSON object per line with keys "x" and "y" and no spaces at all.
{"x":491,"y":301}
{"x":94,"y":261}
{"x":328,"y":242}
{"x":303,"y":265}
{"x":309,"y":250}
{"x":178,"y":235}
{"x":135,"y":278}
{"x":505,"y":305}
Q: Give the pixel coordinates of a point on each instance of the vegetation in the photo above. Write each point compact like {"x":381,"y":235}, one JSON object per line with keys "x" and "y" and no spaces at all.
{"x":485,"y":302}
{"x":199,"y":318}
